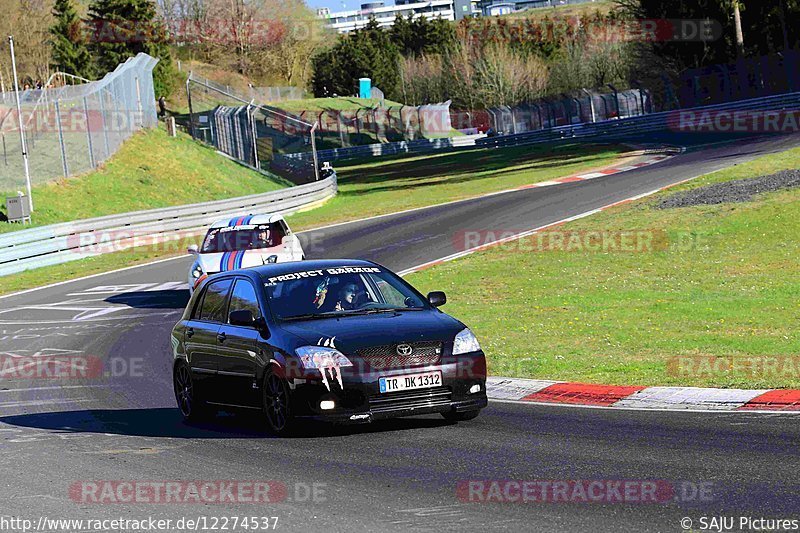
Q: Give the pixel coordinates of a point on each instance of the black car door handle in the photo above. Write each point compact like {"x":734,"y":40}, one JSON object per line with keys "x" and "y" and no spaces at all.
{"x":221,"y":337}
{"x":190,"y":332}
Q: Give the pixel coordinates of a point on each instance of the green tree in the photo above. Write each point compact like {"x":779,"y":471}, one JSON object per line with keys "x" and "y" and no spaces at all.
{"x":417,"y":36}
{"x":124,"y":28}
{"x":68,"y":41}
{"x":402,"y":34}
{"x":368,"y":52}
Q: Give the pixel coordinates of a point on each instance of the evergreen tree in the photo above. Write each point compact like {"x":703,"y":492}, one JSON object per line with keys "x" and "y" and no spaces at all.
{"x":416,"y":36}
{"x":124,"y":28}
{"x":368,"y":52}
{"x":68,"y":42}
{"x":402,"y":35}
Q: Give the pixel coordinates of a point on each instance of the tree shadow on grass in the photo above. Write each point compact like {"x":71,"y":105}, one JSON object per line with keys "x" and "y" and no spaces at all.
{"x":430,"y":180}
{"x":467,"y":163}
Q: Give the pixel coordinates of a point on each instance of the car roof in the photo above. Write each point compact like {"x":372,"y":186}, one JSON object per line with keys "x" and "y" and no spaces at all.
{"x":246,"y":220}
{"x":277,"y":269}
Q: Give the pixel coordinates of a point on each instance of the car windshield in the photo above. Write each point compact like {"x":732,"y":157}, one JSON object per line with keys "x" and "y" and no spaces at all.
{"x":339,"y":291}
{"x":229,"y":239}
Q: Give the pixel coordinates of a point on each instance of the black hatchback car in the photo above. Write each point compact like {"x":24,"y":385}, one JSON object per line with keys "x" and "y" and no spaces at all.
{"x":337,"y":340}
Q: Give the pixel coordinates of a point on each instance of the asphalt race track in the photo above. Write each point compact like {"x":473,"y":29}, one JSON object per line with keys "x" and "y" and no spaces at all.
{"x":393,"y":476}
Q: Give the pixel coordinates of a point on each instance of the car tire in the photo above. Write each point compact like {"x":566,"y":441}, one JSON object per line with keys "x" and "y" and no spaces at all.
{"x":276,"y":404}
{"x":454,"y":416}
{"x":192,"y":407}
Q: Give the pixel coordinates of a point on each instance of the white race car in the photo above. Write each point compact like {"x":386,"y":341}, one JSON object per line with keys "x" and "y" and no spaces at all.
{"x":241,"y":242}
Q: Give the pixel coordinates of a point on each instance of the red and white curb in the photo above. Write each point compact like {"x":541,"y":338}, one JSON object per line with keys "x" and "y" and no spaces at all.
{"x":598,"y":174}
{"x":635,"y":397}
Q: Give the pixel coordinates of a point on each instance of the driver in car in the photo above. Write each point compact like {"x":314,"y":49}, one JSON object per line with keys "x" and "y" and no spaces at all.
{"x":261,"y":240}
{"x":347,"y":297}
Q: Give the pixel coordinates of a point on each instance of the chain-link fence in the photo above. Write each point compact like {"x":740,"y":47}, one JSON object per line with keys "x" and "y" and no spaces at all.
{"x":70,"y":128}
{"x":256,"y":135}
{"x":592,"y":106}
{"x":276,"y":94}
{"x":370,"y":125}
{"x":262,"y":136}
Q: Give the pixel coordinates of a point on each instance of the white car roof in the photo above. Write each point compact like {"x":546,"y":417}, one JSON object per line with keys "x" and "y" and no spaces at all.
{"x":246,"y":220}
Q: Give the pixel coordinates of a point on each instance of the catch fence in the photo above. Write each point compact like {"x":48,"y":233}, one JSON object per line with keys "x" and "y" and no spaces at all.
{"x":257,"y":135}
{"x":72,"y":125}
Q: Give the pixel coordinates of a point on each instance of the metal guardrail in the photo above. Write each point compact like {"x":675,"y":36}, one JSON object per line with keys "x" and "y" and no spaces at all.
{"x":61,"y":243}
{"x":393,"y":148}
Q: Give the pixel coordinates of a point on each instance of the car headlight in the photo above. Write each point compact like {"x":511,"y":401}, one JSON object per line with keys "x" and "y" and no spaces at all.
{"x":197,"y":271}
{"x":465,"y":342}
{"x":321,"y":357}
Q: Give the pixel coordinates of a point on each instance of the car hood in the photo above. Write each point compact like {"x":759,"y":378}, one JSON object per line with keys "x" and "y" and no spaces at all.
{"x":352,"y":333}
{"x":212,"y":263}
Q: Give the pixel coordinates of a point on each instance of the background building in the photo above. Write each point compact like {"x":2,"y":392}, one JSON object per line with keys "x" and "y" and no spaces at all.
{"x":346,"y":21}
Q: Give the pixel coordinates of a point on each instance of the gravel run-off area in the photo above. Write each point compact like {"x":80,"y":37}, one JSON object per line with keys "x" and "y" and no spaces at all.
{"x":733,"y":191}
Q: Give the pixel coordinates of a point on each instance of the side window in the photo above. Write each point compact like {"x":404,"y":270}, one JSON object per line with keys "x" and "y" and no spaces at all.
{"x":215,"y":301}
{"x":244,"y":298}
{"x":390,"y":295}
{"x":278,"y":232}
{"x":198,"y":306}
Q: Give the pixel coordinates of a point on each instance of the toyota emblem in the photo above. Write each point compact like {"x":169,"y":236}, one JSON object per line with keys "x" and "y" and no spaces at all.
{"x":404,"y":349}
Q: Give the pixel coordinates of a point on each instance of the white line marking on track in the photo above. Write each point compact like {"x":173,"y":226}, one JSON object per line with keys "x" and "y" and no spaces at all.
{"x":45,"y":402}
{"x":56,"y":387}
{"x":65,"y":282}
{"x":526,"y":233}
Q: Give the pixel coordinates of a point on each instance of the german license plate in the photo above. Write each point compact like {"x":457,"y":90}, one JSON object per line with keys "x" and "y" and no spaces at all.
{"x":424,"y":380}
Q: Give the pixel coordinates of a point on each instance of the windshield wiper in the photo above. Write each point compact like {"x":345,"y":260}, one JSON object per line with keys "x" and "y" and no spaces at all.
{"x":311,"y":316}
{"x":351,"y":312}
{"x":381,"y":310}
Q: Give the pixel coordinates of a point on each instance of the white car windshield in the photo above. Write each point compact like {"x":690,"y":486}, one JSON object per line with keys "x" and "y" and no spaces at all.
{"x":234,"y":238}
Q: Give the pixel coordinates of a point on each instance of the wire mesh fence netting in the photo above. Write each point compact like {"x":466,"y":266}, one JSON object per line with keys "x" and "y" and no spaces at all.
{"x":71,"y":125}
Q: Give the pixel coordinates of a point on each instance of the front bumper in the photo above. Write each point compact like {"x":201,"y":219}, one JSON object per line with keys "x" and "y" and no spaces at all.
{"x":360,"y":400}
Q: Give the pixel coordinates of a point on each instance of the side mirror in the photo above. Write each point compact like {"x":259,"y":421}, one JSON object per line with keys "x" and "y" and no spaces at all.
{"x":243,"y":317}
{"x":261,"y":325}
{"x":437,"y":298}
{"x":193,"y":249}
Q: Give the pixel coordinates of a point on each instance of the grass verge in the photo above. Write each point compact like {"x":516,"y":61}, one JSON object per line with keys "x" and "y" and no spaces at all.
{"x":331,"y":104}
{"x":716,"y":302}
{"x":151,"y":170}
{"x":368,"y":188}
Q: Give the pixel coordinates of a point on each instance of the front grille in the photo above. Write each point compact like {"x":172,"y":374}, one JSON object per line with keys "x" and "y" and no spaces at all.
{"x":413,"y":399}
{"x":384,"y":357}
